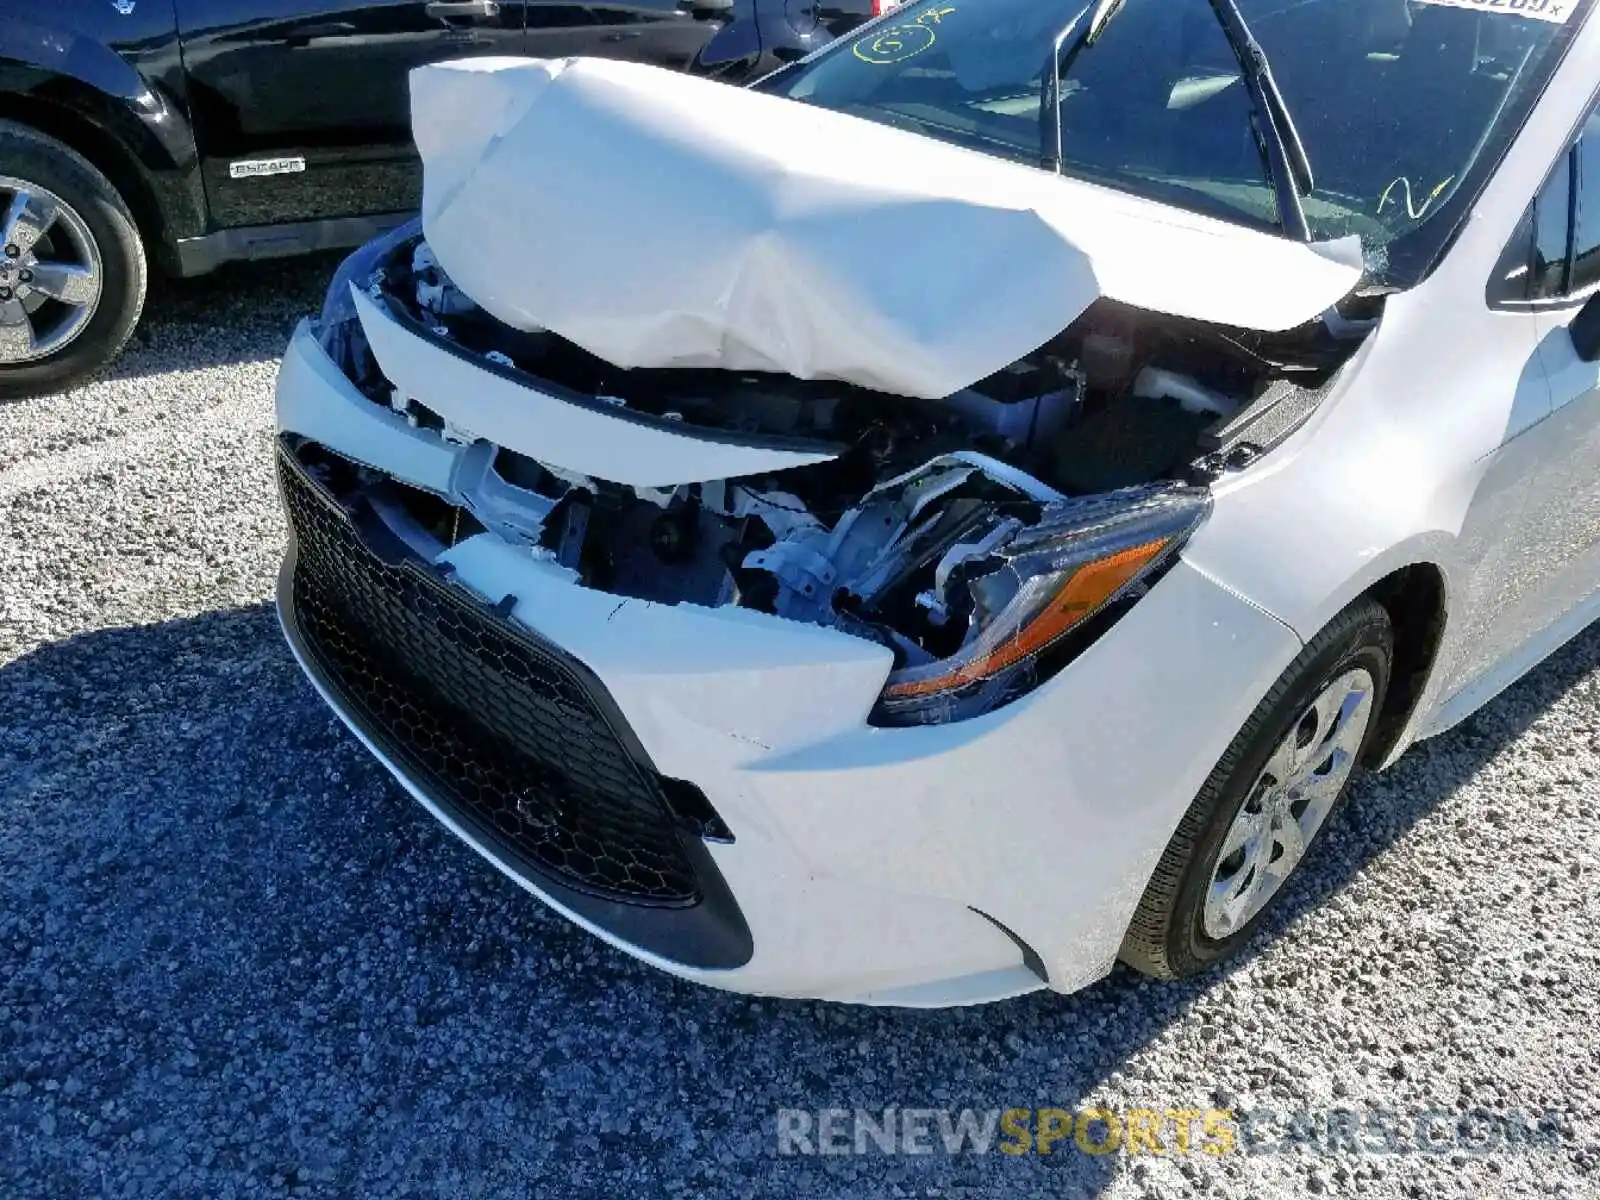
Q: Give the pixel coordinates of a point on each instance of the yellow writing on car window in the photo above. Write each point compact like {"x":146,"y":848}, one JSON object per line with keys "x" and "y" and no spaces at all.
{"x":1413,"y":210}
{"x":896,"y":43}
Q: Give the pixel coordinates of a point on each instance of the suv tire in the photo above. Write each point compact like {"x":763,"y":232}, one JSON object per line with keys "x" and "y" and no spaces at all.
{"x":73,"y":273}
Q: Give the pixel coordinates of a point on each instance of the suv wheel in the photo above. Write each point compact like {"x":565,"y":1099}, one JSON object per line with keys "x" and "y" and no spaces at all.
{"x":72,"y":269}
{"x":1274,"y":790}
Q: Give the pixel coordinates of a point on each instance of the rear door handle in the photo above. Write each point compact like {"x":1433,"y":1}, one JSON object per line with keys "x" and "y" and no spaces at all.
{"x":462,"y":10}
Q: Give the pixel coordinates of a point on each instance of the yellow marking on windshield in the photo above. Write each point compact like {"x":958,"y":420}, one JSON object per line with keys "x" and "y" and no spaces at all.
{"x":896,"y":43}
{"x":1413,"y":210}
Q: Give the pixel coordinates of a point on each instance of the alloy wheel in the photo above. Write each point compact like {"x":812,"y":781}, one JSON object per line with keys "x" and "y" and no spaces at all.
{"x":1288,"y":803}
{"x":51,"y":274}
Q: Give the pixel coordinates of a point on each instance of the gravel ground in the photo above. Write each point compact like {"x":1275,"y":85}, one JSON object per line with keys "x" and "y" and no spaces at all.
{"x":235,"y":959}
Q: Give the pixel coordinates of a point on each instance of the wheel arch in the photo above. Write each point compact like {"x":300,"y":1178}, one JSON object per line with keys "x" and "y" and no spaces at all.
{"x":145,"y":148}
{"x":1416,"y":599}
{"x":98,"y":147}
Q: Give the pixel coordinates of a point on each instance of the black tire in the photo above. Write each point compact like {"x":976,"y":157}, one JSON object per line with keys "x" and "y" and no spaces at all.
{"x":1167,"y":938}
{"x":32,"y":156}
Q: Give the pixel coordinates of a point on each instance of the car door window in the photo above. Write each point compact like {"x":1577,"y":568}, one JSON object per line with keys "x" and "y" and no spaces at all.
{"x":1585,"y":256}
{"x":1556,"y":251}
{"x":1552,"y":227}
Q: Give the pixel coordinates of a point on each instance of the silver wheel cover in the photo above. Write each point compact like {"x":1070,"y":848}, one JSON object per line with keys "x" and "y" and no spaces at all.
{"x":1288,"y":803}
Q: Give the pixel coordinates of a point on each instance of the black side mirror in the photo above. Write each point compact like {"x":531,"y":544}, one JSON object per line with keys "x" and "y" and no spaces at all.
{"x":1585,"y":330}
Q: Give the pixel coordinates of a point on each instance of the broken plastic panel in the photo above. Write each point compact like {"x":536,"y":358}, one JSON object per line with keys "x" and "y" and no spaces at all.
{"x":357,"y":270}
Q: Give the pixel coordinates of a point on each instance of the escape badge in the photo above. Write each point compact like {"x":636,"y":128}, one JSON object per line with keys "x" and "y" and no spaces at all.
{"x":255,"y":168}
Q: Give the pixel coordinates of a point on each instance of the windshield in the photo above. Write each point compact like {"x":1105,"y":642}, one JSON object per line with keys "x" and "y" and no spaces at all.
{"x":1402,"y":105}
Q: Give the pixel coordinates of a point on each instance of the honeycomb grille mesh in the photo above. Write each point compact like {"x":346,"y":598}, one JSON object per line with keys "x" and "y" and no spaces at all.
{"x":491,"y":723}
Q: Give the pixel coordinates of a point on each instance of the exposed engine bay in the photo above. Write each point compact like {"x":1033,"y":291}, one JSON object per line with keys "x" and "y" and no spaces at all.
{"x":945,"y":530}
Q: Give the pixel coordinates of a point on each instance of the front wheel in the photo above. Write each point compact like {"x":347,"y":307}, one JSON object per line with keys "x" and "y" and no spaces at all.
{"x":1267,"y":800}
{"x":72,"y":269}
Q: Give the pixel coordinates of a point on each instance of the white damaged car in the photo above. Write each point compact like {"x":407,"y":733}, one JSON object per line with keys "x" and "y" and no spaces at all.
{"x":955,"y":514}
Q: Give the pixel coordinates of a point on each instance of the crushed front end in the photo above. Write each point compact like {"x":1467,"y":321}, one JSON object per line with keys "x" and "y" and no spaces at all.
{"x":787,"y":686}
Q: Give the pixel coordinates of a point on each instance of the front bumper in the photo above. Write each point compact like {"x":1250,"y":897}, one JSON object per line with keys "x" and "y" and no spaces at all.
{"x":449,"y":693}
{"x":932,"y":865}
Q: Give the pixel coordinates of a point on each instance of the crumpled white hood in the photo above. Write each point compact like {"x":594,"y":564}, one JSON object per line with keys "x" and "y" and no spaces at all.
{"x":662,"y":220}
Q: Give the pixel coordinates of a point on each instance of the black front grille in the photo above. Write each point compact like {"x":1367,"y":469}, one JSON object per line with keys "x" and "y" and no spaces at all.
{"x":505,"y":731}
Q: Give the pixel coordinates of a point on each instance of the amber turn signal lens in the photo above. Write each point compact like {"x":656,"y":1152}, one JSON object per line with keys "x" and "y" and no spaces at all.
{"x":1083,"y":593}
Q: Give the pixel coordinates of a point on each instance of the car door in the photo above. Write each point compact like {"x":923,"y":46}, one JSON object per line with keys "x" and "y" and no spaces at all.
{"x":1564,"y":507}
{"x":302,"y":108}
{"x":1532,"y":532}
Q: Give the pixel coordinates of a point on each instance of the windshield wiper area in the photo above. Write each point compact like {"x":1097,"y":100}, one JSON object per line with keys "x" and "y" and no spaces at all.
{"x":1285,"y":152}
{"x":1099,"y":14}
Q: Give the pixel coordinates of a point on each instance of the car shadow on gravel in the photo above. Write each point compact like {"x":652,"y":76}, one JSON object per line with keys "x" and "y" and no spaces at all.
{"x":239,"y":957}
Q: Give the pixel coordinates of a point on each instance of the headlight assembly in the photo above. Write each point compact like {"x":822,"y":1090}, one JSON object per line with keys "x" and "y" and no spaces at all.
{"x":1040,"y":598}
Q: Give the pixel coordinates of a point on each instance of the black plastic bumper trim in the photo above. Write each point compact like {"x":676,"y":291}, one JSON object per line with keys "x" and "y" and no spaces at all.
{"x":709,"y":935}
